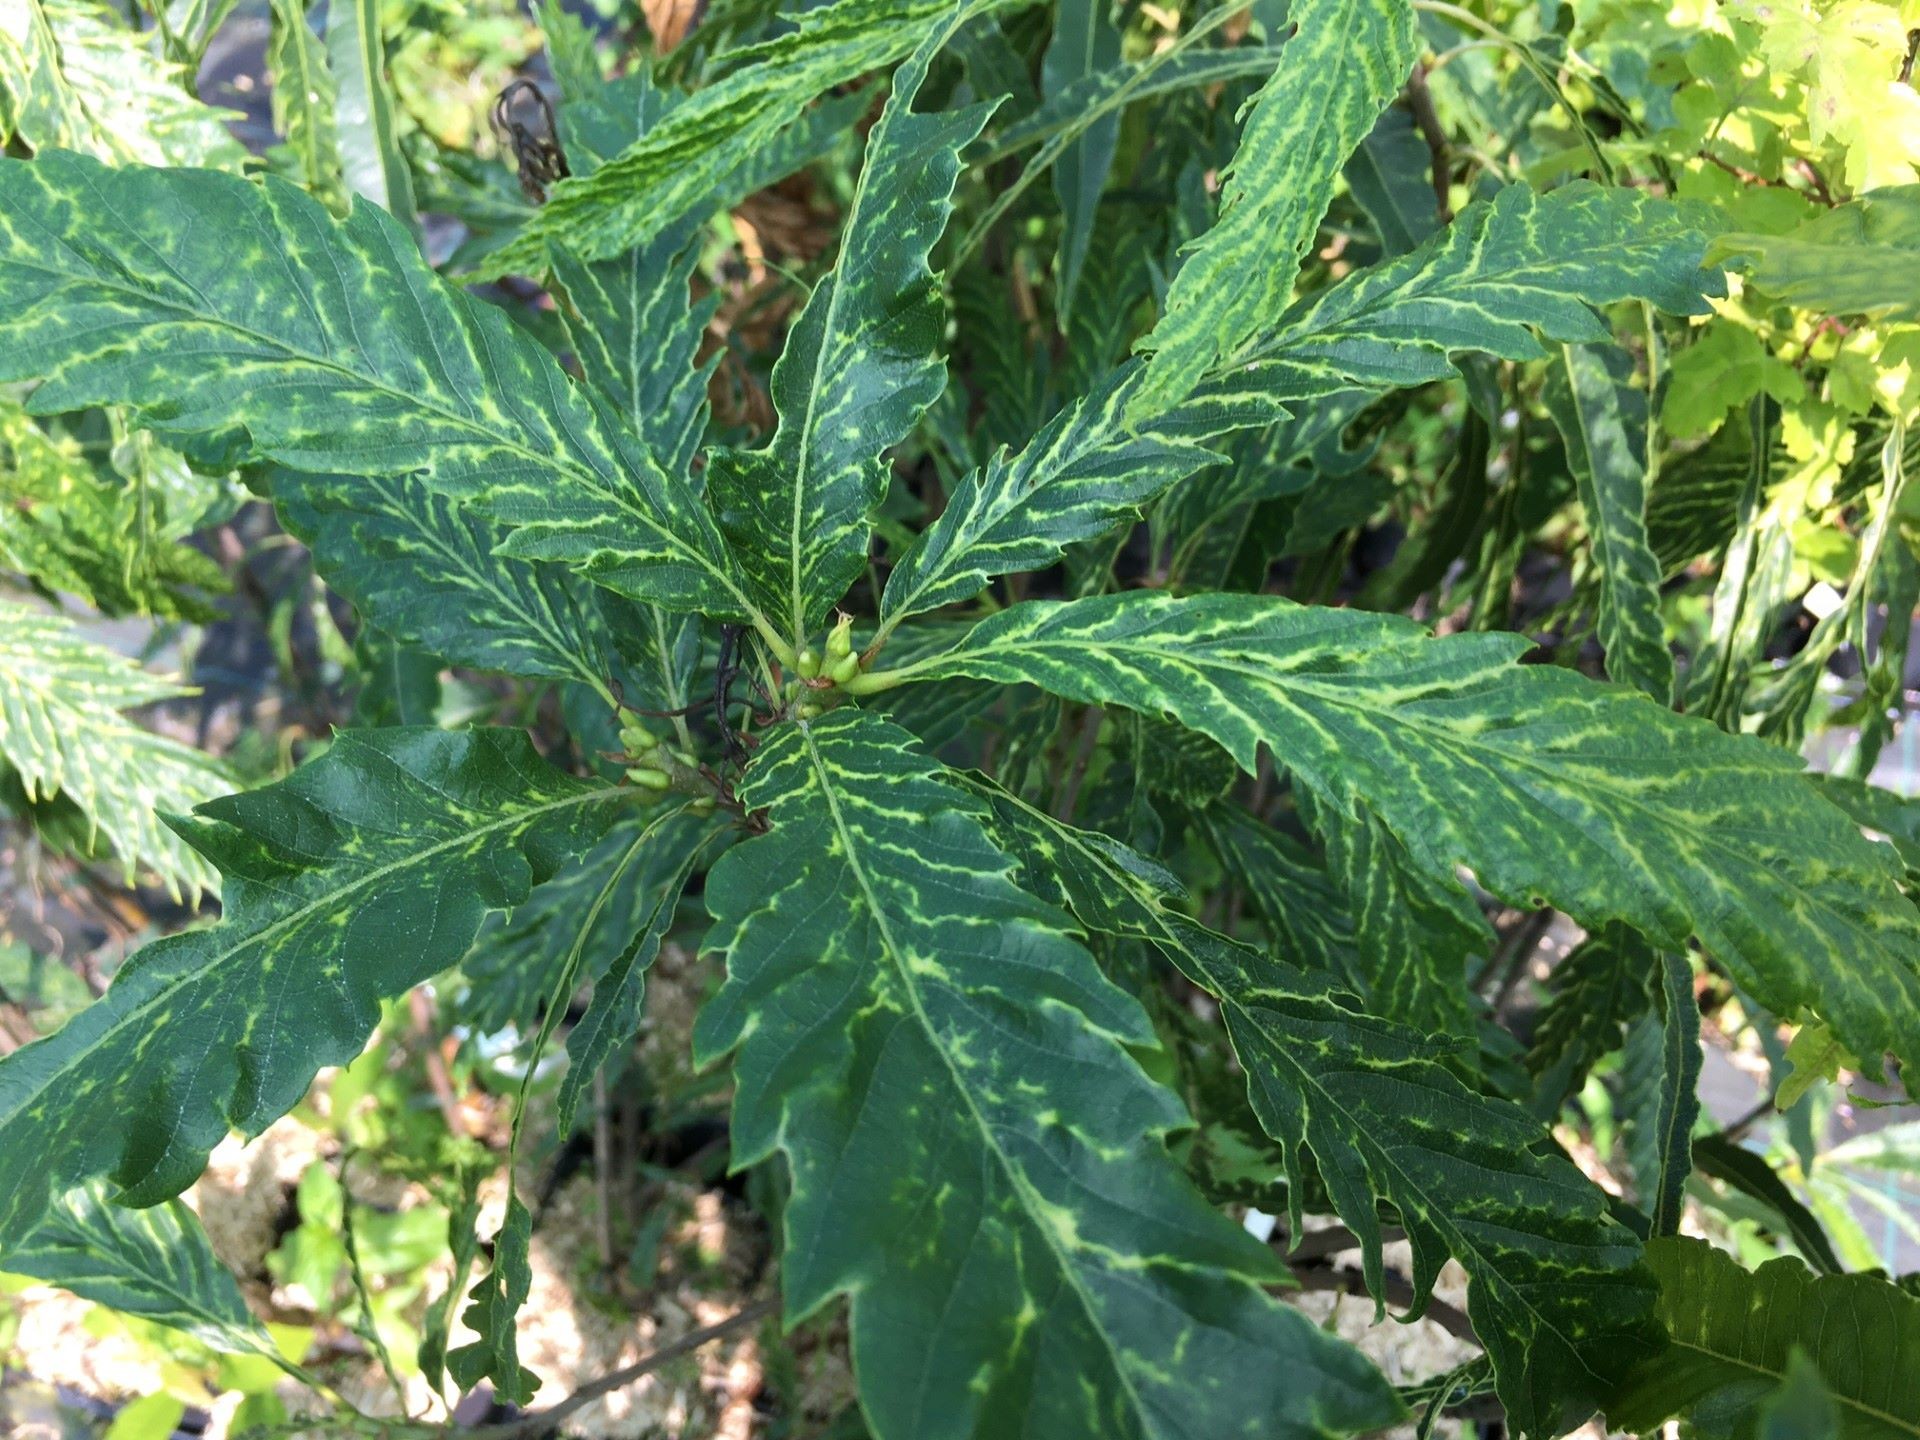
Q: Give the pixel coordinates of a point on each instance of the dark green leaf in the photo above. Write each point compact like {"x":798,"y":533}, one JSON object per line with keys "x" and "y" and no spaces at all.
{"x":1734,"y":1334}
{"x":975,"y":1157}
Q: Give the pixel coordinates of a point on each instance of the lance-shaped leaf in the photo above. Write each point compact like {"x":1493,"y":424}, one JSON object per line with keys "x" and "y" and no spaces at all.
{"x":354,"y":879}
{"x":1520,"y":263}
{"x":155,"y":1263}
{"x":1084,"y":473}
{"x":637,"y":332}
{"x":1085,"y":42}
{"x":71,"y":76}
{"x":976,"y":1159}
{"x":1857,"y":259}
{"x":1346,"y":60}
{"x":681,"y":165}
{"x":1603,"y":421}
{"x":304,"y":97}
{"x":861,"y":365}
{"x":63,"y":732}
{"x":207,"y":302}
{"x":1734,"y":1333}
{"x":431,"y":573}
{"x":1555,"y":1294}
{"x":364,"y":110}
{"x":1552,"y":788}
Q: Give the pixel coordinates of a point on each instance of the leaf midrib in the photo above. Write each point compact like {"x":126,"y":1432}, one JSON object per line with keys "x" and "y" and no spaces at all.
{"x":1015,"y":1177}
{"x":1871,"y":1412}
{"x":314,"y":906}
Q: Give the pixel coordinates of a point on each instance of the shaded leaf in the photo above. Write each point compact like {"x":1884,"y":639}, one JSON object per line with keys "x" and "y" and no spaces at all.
{"x":371,"y":164}
{"x":1735,"y":1332}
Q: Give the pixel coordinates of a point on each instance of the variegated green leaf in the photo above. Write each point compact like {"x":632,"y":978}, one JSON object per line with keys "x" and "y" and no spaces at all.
{"x":337,"y":349}
{"x":73,"y":76}
{"x":1600,"y":988}
{"x":1555,"y":1293}
{"x":1734,"y":1333}
{"x":637,"y":332}
{"x":682,"y":165}
{"x":1346,"y":60}
{"x":432,"y":574}
{"x":1416,"y":932}
{"x":153,"y":1263}
{"x":1084,"y":473}
{"x":357,"y":877}
{"x":64,"y":733}
{"x":1506,"y":268}
{"x":1603,"y":421}
{"x":1857,"y":259}
{"x":975,"y":1157}
{"x":861,"y":365}
{"x":1551,"y":788}
{"x":305,"y":97}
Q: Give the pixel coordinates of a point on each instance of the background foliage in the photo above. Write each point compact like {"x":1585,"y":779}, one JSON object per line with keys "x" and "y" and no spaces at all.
{"x":1107,"y":678}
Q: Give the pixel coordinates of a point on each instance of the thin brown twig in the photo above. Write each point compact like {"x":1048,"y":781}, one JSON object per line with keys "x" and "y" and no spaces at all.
{"x":542,"y":1422}
{"x":1069,"y":793}
{"x":1420,"y":102}
{"x":1395,"y":1289}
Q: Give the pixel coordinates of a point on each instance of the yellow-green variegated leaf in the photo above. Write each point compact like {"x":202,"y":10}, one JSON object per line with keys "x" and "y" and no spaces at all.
{"x":155,"y":1263}
{"x":1347,"y":59}
{"x":357,"y":877}
{"x":1086,"y":471}
{"x":74,"y":76}
{"x":1521,"y":263}
{"x":64,"y":732}
{"x":209,"y":303}
{"x":1554,"y":1291}
{"x":1603,"y":421}
{"x":1550,"y":787}
{"x":304,"y":98}
{"x":860,"y":366}
{"x":1858,"y":259}
{"x":976,"y":1159}
{"x":681,"y":165}
{"x":428,"y":572}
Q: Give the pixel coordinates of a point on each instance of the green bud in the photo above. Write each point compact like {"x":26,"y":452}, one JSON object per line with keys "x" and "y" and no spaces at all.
{"x":840,"y":638}
{"x":806,"y":710}
{"x":637,"y":738}
{"x":648,"y":778}
{"x":702,"y":806}
{"x":847,"y":667}
{"x":807,"y":663}
{"x":692,"y":762}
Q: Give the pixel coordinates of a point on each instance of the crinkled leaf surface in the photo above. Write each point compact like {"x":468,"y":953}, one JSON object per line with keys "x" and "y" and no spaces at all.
{"x":975,"y":1157}
{"x":206,"y":302}
{"x":1346,"y":60}
{"x":861,"y":365}
{"x":354,"y":879}
{"x":1551,"y":788}
{"x":155,"y":1263}
{"x":1555,"y":1294}
{"x":1735,"y":1330}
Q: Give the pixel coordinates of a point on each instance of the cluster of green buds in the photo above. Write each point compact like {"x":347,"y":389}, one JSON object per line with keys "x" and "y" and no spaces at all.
{"x":837,"y":667}
{"x":657,"y":768}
